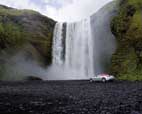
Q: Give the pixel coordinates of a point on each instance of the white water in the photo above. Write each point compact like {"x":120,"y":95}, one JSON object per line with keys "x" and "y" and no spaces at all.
{"x":78,"y":49}
{"x":57,"y":44}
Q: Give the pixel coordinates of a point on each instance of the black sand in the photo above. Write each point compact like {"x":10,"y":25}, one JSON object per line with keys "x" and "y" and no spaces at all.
{"x":70,"y":97}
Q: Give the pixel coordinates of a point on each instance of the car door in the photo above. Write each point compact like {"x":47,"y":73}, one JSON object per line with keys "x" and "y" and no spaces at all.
{"x":97,"y":78}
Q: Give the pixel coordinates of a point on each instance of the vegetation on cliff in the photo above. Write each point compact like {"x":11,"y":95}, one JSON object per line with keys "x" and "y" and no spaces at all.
{"x":27,"y":32}
{"x":127,"y":28}
{"x":26,"y":25}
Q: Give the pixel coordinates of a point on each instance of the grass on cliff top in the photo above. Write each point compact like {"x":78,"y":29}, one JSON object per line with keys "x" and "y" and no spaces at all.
{"x":15,"y":12}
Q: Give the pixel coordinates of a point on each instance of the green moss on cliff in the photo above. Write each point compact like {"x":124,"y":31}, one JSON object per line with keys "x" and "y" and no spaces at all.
{"x":127,"y":27}
{"x":11,"y":35}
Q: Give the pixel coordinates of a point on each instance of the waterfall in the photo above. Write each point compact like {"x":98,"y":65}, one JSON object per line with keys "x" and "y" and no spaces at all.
{"x":57,"y":44}
{"x":79,"y":47}
{"x":76,"y":47}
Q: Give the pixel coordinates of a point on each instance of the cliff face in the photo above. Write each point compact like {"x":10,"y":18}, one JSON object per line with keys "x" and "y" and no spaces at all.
{"x":25,"y":34}
{"x":18,"y":27}
{"x":127,"y":28}
{"x":104,"y":40}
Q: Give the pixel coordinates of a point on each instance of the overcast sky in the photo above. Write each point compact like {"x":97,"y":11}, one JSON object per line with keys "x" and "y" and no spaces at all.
{"x":60,"y":10}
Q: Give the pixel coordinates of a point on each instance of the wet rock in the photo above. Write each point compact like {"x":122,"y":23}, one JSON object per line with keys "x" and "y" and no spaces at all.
{"x":33,"y":78}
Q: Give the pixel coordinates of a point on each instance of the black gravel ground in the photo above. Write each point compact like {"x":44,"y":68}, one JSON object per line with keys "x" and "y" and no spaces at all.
{"x":70,"y":97}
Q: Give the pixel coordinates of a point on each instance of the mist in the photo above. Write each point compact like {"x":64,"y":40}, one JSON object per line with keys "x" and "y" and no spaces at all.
{"x":19,"y":67}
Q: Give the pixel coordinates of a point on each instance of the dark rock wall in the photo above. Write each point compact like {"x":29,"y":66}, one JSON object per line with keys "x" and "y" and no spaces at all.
{"x":19,"y":27}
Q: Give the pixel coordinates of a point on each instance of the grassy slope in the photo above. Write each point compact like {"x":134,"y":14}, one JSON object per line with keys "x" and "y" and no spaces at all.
{"x":25,"y":26}
{"x":127,"y":27}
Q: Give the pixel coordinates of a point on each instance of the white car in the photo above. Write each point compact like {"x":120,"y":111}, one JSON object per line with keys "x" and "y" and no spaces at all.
{"x":102,"y":77}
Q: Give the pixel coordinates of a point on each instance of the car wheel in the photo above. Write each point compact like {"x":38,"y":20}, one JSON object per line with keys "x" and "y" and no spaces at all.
{"x":91,"y":80}
{"x":103,"y":80}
